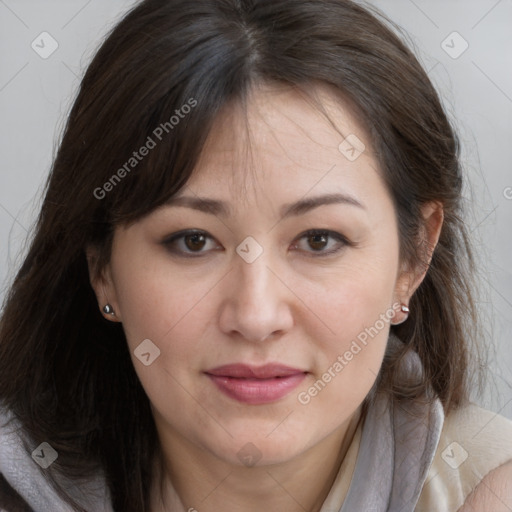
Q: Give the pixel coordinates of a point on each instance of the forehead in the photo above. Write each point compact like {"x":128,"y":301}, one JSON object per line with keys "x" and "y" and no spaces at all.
{"x":281,"y":141}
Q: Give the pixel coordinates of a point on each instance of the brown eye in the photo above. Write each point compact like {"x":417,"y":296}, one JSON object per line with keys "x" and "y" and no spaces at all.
{"x":194,"y":242}
{"x":189,"y":243}
{"x":319,"y":241}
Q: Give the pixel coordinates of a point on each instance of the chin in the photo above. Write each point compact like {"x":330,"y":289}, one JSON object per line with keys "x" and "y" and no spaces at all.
{"x":258,"y":449}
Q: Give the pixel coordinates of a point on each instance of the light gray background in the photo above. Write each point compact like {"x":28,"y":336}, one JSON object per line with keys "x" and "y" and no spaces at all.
{"x":476,"y":87}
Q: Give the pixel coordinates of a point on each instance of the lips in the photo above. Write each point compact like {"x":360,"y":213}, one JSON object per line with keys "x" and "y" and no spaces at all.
{"x":256,"y":384}
{"x":244,"y":371}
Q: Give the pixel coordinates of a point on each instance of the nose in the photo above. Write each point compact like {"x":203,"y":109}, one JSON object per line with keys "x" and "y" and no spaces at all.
{"x":257,"y":301}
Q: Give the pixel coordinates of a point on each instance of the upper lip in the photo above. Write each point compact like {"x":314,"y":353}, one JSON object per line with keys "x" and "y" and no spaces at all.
{"x":246,"y":371}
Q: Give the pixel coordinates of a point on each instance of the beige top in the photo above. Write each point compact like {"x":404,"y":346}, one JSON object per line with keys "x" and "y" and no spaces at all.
{"x":339,"y":488}
{"x":473,"y":442}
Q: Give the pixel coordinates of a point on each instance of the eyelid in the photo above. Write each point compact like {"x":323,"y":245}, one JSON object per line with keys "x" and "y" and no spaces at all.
{"x":330,"y":234}
{"x":168,"y":240}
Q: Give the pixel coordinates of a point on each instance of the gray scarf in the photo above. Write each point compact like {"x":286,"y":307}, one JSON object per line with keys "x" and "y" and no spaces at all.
{"x":398,"y":444}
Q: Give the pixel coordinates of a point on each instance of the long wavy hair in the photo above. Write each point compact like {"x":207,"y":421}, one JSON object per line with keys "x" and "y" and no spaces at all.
{"x":65,"y":371}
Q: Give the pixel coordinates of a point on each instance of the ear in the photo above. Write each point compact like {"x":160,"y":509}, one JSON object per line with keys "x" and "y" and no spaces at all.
{"x":102,"y":284}
{"x":410,"y":278}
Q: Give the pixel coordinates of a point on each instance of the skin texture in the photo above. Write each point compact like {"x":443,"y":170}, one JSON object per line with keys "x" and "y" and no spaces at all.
{"x":289,"y":305}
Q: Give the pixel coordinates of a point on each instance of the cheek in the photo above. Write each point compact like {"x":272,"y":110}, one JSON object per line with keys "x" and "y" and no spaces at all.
{"x":157,"y":307}
{"x":171,"y":309}
{"x":150,"y":297}
{"x":355,"y":309}
{"x":353,"y":296}
{"x":145,"y":302}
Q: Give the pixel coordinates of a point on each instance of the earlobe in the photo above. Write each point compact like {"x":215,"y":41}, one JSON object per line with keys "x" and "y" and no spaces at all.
{"x":108,"y":309}
{"x":102,"y":284}
{"x":403,"y":314}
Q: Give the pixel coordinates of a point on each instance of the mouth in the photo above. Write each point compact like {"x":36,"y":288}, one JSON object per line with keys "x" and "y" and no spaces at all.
{"x":256,"y":385}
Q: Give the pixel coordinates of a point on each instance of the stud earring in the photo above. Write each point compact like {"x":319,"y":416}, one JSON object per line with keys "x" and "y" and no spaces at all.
{"x":108,"y":310}
{"x":404,"y":309}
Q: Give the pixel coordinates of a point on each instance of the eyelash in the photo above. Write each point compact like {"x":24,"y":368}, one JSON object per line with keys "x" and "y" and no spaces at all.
{"x":170,"y":240}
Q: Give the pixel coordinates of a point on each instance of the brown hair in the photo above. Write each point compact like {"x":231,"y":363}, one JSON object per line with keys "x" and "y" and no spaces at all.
{"x":65,"y":371}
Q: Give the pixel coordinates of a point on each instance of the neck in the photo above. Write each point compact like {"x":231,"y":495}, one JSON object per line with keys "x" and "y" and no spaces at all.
{"x":188,"y":478}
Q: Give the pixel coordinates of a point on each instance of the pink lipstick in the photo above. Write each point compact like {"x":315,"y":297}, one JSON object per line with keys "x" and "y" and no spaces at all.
{"x":256,"y":384}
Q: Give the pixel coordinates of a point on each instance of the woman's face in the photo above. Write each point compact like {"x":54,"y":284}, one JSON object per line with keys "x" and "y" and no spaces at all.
{"x":255,"y":339}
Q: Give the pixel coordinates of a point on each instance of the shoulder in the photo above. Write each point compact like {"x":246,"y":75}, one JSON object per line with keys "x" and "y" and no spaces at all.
{"x":474,"y":451}
{"x":25,"y":474}
{"x":493,"y":493}
{"x":10,"y":499}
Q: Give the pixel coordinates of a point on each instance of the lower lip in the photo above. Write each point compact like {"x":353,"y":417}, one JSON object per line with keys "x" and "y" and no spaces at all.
{"x":257,"y":391}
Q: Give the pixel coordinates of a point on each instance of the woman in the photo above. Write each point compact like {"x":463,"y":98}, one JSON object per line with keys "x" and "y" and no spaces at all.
{"x":248,"y":287}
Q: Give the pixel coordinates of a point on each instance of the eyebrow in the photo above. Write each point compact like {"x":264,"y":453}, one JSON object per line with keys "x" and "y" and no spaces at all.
{"x":220,"y":208}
